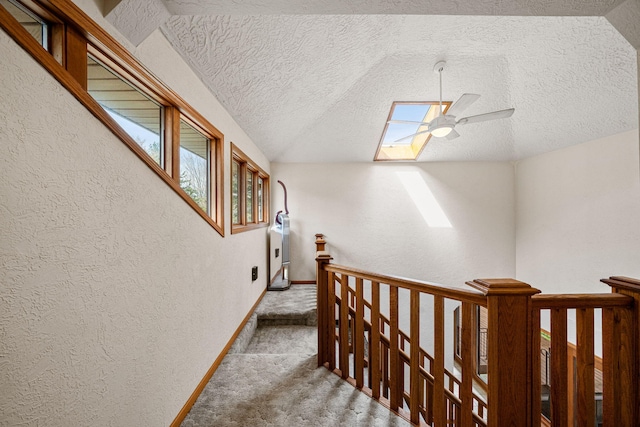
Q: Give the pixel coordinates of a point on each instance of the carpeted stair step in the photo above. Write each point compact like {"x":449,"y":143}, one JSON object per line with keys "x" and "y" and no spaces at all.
{"x":284,"y":339}
{"x":270,"y":376}
{"x":296,"y":306}
{"x":283,"y":390}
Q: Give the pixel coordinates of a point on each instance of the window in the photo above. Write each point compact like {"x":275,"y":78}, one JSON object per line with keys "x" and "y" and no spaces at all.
{"x":249,"y":193}
{"x":165,"y":132}
{"x":402,"y":141}
{"x":235,"y":193}
{"x":138,"y":115}
{"x":194,"y":165}
{"x":260,"y":199}
{"x":31,"y":22}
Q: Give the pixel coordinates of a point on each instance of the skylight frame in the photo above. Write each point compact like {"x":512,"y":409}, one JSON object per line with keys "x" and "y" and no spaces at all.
{"x":412,"y":150}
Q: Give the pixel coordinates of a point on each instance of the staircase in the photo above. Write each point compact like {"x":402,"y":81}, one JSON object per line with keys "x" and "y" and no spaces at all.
{"x":270,"y":376}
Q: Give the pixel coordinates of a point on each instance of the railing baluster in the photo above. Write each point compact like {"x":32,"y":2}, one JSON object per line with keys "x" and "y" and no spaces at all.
{"x":536,"y":389}
{"x":331,"y":312}
{"x":586,"y":412}
{"x":385,"y":372}
{"x":344,"y":326}
{"x":438,"y":398}
{"x":394,"y":380}
{"x":559,"y":391}
{"x":357,"y":336}
{"x":414,"y":367}
{"x":466,"y":388}
{"x":374,"y":356}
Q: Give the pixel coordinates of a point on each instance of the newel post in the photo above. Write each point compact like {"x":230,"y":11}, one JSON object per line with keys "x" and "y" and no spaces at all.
{"x":322,"y":285}
{"x":621,"y":354}
{"x":509,"y":351}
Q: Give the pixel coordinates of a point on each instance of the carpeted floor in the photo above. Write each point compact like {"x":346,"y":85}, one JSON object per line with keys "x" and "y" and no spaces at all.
{"x":273,"y":380}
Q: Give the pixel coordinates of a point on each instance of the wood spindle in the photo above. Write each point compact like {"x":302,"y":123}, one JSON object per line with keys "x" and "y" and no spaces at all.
{"x":559,"y":368}
{"x":394,"y":355}
{"x":374,"y":356}
{"x":414,"y":367}
{"x":438,"y":397}
{"x":585,"y":370}
{"x":385,"y":372}
{"x":536,"y":388}
{"x":468,"y":364}
{"x":357,"y":336}
{"x":344,"y":326}
{"x":331,"y":319}
{"x":400,"y":376}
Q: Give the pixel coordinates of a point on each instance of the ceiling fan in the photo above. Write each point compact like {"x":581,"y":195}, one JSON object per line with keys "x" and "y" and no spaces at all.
{"x":443,"y":125}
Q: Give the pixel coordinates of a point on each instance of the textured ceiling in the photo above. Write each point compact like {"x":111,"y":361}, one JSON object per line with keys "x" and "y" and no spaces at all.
{"x":311,"y":88}
{"x":396,"y":7}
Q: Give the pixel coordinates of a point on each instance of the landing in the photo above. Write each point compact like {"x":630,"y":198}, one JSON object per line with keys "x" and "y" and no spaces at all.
{"x":274,"y":381}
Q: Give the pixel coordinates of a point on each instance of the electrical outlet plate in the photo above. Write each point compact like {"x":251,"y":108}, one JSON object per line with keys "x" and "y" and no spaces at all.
{"x":254,"y":274}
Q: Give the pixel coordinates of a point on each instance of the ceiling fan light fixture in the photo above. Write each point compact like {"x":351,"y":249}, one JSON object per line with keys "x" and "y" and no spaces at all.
{"x":442,"y":126}
{"x":441,"y":131}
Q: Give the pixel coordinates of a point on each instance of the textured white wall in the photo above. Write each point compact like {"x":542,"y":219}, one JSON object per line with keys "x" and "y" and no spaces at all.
{"x":577,"y":215}
{"x":116,"y":297}
{"x":371,"y":222}
{"x":577,"y":219}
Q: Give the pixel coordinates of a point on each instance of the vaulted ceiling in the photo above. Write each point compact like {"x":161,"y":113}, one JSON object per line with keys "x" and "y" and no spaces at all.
{"x":314,"y":82}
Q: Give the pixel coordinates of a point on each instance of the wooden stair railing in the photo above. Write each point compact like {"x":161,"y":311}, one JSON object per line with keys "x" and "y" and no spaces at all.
{"x":361,"y":341}
{"x":401,"y":374}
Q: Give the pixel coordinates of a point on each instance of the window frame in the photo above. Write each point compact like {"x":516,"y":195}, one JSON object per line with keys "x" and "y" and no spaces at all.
{"x":72,"y":37}
{"x":211,"y":165}
{"x":421,"y":146}
{"x":246,"y":166}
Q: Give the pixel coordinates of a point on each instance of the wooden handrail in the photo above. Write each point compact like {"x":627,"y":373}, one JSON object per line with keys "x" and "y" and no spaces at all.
{"x":549,"y":301}
{"x":458,"y":293}
{"x":621,"y":282}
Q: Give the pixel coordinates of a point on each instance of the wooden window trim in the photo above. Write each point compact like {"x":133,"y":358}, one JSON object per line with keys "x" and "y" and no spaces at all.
{"x":64,"y":14}
{"x":246,"y":163}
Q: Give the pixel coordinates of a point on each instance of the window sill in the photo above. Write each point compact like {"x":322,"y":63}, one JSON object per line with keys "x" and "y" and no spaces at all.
{"x":237,"y":228}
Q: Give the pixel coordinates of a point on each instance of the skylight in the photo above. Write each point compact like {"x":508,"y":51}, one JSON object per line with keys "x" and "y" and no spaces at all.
{"x":393,"y":144}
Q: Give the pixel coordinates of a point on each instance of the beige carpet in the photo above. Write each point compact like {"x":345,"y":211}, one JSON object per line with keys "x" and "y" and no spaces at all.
{"x":274,"y":380}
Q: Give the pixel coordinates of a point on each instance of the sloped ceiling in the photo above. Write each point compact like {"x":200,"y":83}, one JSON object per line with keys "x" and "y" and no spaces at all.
{"x":308,"y":85}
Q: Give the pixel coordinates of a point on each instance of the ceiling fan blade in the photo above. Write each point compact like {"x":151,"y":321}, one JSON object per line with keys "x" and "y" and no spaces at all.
{"x":453,"y":134}
{"x":462,"y":104}
{"x":410,"y":136}
{"x":406,"y":122}
{"x":502,"y":114}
